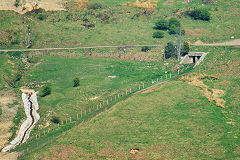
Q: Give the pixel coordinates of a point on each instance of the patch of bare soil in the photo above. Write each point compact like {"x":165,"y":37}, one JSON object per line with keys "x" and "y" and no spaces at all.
{"x":93,"y":98}
{"x":63,"y":152}
{"x":29,"y":5}
{"x":210,"y":94}
{"x":168,"y":2}
{"x":6,"y":98}
{"x":198,"y":42}
{"x":192,"y":100}
{"x":9,"y":156}
{"x":194,"y":32}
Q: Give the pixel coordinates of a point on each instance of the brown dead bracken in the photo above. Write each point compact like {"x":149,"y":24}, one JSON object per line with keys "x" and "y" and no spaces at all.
{"x":210,"y":94}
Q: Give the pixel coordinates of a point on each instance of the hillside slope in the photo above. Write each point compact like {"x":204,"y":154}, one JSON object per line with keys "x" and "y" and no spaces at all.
{"x":173,"y":121}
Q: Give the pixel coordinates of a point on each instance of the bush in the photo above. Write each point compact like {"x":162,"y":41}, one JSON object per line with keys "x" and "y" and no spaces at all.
{"x":55,"y":120}
{"x":200,"y":14}
{"x":175,"y":22}
{"x":170,"y":50}
{"x":185,"y":49}
{"x":42,"y":17}
{"x":76,"y":82}
{"x":161,"y":25}
{"x":173,"y":29}
{"x":95,"y":6}
{"x":181,"y":32}
{"x":17,"y":2}
{"x":46,"y":90}
{"x":145,"y":49}
{"x":158,"y":34}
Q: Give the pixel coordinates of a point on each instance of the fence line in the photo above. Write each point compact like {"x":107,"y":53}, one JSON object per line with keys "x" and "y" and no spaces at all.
{"x":85,"y":115}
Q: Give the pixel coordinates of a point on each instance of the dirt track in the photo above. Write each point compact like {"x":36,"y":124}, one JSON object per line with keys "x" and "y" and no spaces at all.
{"x":235,"y":42}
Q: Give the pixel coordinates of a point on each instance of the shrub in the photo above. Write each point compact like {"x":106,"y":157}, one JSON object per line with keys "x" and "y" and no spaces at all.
{"x":46,"y":90}
{"x":17,"y":2}
{"x":161,"y":25}
{"x":42,"y":17}
{"x":175,"y":22}
{"x":55,"y":120}
{"x":170,"y":50}
{"x":95,"y":6}
{"x":181,"y":32}
{"x":145,"y":49}
{"x":185,"y":49}
{"x":158,"y":34}
{"x":173,"y":29}
{"x":76,"y":82}
{"x":200,"y":14}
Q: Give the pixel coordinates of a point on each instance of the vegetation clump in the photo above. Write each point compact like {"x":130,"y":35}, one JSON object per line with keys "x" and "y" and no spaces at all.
{"x":95,"y":6}
{"x":200,"y":14}
{"x":46,"y":90}
{"x":145,"y":49}
{"x":158,"y":34}
{"x":76,"y":82}
{"x":172,"y":49}
{"x":162,"y":25}
{"x":55,"y":120}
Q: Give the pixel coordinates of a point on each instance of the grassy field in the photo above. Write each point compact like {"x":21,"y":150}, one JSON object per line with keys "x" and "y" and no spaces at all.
{"x":174,"y":121}
{"x":95,"y":85}
{"x":116,"y":25}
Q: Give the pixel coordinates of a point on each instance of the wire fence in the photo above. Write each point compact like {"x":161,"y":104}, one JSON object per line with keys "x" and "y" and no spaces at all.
{"x":48,"y":135}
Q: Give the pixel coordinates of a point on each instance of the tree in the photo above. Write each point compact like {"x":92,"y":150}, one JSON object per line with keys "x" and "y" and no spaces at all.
{"x":200,"y":14}
{"x":186,"y":48}
{"x":162,"y":24}
{"x":173,"y":29}
{"x":170,"y":50}
{"x":175,"y":22}
{"x":158,"y":34}
{"x":46,"y":90}
{"x":76,"y":82}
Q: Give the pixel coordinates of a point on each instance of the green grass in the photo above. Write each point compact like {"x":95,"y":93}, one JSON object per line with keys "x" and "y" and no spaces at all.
{"x":64,"y":29}
{"x":161,"y":124}
{"x":17,"y":120}
{"x":174,"y":121}
{"x":0,"y":110}
{"x":66,"y":100}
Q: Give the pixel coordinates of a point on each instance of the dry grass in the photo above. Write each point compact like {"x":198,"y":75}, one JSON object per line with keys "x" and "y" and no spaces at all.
{"x":210,"y":94}
{"x":76,"y":4}
{"x":145,"y":4}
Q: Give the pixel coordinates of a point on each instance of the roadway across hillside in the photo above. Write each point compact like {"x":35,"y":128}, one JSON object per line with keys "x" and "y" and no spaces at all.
{"x":235,"y":42}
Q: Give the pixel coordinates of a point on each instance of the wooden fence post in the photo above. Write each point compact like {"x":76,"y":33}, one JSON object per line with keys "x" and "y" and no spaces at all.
{"x":115,"y":97}
{"x":58,"y":125}
{"x":143,"y":85}
{"x":170,"y":75}
{"x":130,"y":90}
{"x":139,"y":86}
{"x":70,"y":119}
{"x":118,"y":95}
{"x":77,"y":115}
{"x":66,"y":120}
{"x":166,"y":76}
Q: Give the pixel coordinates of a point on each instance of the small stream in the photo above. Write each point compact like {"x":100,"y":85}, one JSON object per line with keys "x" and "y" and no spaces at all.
{"x":30,"y":106}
